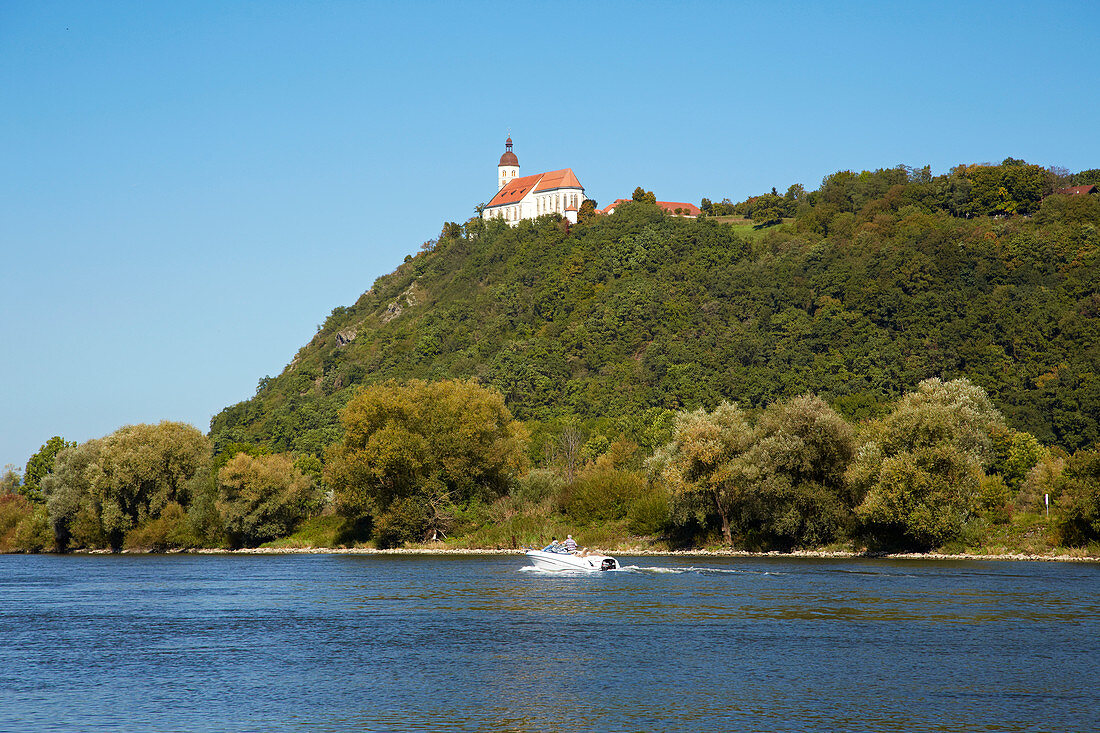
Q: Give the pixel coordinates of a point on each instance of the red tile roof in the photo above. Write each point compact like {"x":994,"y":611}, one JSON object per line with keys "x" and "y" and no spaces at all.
{"x":668,"y":206}
{"x":1075,"y":190}
{"x":514,"y":191}
{"x":688,"y":209}
{"x":559,"y":179}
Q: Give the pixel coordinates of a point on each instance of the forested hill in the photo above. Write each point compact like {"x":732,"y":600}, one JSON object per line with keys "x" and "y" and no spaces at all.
{"x":871,"y":287}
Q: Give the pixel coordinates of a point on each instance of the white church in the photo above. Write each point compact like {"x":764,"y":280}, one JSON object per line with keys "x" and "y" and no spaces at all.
{"x":527,"y":197}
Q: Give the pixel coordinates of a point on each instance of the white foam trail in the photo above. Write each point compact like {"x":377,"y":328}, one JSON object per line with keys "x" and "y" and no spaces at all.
{"x":655,"y":570}
{"x":693,"y":569}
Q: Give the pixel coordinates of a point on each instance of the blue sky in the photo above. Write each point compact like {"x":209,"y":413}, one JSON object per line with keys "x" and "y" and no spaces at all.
{"x":188,"y":189}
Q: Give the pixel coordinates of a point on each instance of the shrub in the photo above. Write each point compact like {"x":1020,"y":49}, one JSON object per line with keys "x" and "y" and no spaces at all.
{"x":14,"y":508}
{"x":538,"y":486}
{"x":603,"y":494}
{"x":168,"y":531}
{"x":995,"y":499}
{"x":650,"y":512}
{"x":405,"y":521}
{"x":34,"y":533}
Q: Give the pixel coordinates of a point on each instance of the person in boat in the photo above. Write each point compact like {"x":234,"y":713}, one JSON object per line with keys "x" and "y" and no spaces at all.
{"x":570,"y":543}
{"x":553,"y":547}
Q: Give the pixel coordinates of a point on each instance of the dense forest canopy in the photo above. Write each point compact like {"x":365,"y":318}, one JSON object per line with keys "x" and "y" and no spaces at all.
{"x":875,"y":281}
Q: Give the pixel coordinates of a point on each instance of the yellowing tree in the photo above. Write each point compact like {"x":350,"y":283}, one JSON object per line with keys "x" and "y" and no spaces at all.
{"x":705,"y":464}
{"x":262,"y":497}
{"x":411,"y":449}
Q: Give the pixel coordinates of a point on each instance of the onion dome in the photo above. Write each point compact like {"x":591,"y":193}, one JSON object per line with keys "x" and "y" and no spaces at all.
{"x":509,"y":158}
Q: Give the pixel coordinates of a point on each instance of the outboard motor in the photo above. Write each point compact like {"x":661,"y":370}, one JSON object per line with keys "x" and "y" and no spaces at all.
{"x":607,"y":564}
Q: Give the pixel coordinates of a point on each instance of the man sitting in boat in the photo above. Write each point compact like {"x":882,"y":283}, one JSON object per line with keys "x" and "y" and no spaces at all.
{"x":555,"y":546}
{"x":570,"y":543}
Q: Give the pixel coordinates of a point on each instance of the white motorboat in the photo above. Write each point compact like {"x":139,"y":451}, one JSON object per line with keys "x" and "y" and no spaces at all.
{"x":585,"y":562}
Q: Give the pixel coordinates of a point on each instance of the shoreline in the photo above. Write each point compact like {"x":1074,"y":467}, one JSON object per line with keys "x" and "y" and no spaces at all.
{"x":797,"y":554}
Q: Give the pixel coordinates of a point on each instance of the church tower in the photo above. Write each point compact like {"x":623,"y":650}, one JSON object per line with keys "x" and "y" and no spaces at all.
{"x":509,"y":165}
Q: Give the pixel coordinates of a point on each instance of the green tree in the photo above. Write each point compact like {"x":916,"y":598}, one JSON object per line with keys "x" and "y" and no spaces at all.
{"x":767,"y":217}
{"x":1015,"y":454}
{"x":920,"y":466}
{"x":1084,"y":178}
{"x":262,"y":498}
{"x":40,"y":465}
{"x":640,"y":194}
{"x":705,"y":464}
{"x":10,"y":481}
{"x":587,"y":212}
{"x":802,"y":449}
{"x":922,"y":498}
{"x":1079,"y":503}
{"x":424,"y":445}
{"x":101,"y":489}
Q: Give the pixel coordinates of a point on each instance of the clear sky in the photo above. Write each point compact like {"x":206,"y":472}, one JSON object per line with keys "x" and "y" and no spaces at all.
{"x":188,"y":188}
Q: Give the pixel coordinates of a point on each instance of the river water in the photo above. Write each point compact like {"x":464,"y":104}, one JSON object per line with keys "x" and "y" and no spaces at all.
{"x":476,"y":643}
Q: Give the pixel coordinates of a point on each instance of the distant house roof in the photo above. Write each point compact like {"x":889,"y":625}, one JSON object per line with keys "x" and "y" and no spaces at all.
{"x":515,"y":189}
{"x":670,"y":207}
{"x":687,"y":209}
{"x":1077,"y":190}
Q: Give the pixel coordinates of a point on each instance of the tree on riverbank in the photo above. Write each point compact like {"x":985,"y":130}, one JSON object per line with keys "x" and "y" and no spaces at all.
{"x":410,"y":450}
{"x":921,"y":466}
{"x":1079,"y":492}
{"x":40,"y":465}
{"x":102,"y":489}
{"x":779,"y":483}
{"x":262,"y":498}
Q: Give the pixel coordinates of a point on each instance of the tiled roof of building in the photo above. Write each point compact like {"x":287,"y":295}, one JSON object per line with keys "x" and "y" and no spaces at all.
{"x":514,"y":191}
{"x":685,"y":208}
{"x":1075,"y":190}
{"x":669,"y":207}
{"x":564,"y":178}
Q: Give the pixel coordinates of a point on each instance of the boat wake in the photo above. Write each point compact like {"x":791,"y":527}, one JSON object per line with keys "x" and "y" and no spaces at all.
{"x":696,"y":570}
{"x":653,"y":570}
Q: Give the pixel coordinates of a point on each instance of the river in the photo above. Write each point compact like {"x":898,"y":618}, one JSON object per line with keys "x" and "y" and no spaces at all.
{"x":477,"y":643}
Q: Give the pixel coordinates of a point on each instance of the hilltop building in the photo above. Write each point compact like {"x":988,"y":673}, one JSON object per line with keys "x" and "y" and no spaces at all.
{"x":526,"y":197}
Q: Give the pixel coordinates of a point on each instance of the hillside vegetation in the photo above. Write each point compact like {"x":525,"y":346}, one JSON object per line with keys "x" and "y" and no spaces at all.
{"x":880,"y":281}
